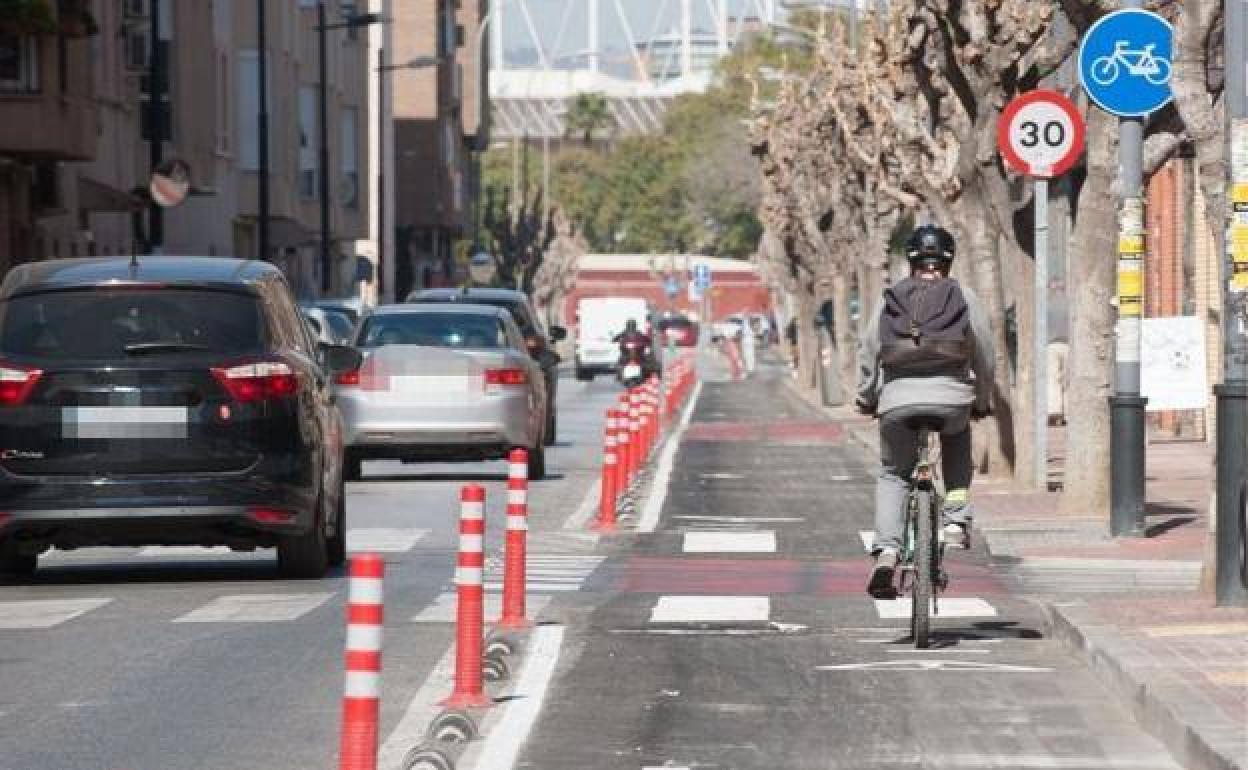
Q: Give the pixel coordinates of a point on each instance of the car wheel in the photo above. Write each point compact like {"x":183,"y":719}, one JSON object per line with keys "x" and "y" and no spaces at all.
{"x":352,"y":467}
{"x":14,"y":563}
{"x":537,"y":462}
{"x":306,"y":556}
{"x":552,"y":427}
{"x":338,"y":541}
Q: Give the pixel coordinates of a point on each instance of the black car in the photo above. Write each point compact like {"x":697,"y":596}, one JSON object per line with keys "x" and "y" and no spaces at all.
{"x":517,"y":303}
{"x":166,"y":401}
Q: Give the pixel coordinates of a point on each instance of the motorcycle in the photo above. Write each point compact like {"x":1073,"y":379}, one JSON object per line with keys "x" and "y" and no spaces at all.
{"x":632,"y":364}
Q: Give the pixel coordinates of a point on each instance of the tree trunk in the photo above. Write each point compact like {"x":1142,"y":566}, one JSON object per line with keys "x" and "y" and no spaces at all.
{"x":807,"y":338}
{"x":1020,"y":293}
{"x":1085,"y":485}
{"x":996,"y":455}
{"x":845,"y":336}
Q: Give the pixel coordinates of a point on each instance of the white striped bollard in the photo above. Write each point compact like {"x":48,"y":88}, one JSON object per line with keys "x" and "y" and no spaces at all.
{"x":514,"y":548}
{"x":361,"y":698}
{"x":469,"y":691}
{"x":608,"y":490}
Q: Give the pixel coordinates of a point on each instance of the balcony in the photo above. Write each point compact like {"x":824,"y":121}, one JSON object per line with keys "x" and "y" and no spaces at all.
{"x":47,"y":111}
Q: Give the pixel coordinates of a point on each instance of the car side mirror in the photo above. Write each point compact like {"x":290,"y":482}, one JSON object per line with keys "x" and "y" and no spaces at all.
{"x":558,"y":333}
{"x":341,"y":358}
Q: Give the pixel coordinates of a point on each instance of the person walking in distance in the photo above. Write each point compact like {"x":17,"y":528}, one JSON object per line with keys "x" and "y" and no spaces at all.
{"x":927,"y":352}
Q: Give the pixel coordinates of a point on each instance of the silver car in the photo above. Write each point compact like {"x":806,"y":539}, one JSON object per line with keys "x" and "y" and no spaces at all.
{"x":442,"y":383}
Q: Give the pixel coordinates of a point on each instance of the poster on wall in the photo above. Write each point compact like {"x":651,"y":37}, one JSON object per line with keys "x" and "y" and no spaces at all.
{"x":1172,"y":367}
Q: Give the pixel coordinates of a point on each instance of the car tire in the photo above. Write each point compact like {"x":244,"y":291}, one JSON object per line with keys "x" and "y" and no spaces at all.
{"x":14,"y":563}
{"x":352,"y":467}
{"x":306,"y":556}
{"x":337,"y":542}
{"x":537,"y":462}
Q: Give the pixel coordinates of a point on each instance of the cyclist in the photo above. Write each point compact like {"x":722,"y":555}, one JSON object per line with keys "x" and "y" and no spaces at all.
{"x":927,"y":352}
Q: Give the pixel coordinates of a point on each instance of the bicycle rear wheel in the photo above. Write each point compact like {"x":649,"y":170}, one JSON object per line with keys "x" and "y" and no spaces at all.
{"x":921,"y":584}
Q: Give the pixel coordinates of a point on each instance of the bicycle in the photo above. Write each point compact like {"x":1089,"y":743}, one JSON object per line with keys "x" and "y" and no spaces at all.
{"x":1142,"y":63}
{"x":920,"y":560}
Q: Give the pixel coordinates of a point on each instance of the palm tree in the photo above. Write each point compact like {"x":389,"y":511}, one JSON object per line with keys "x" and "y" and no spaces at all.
{"x":587,"y":115}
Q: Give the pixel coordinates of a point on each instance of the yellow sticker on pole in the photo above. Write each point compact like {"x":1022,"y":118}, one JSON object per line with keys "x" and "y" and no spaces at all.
{"x":1131,"y":244}
{"x":1239,"y":193}
{"x":1130,"y":283}
{"x":1239,"y":282}
{"x":1130,"y":307}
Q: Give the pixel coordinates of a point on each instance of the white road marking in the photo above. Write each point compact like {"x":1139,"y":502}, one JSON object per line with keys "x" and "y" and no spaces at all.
{"x":960,"y":650}
{"x":540,"y":587}
{"x":949,"y":608}
{"x":1043,"y":761}
{"x":969,"y":666}
{"x":721,"y":476}
{"x":868,"y":539}
{"x":588,"y":507}
{"x":420,"y":711}
{"x":662,"y":477}
{"x":195,"y":551}
{"x":442,"y":610}
{"x":730,"y":542}
{"x":503,"y":741}
{"x":547,"y":573}
{"x":383,"y":540}
{"x":44,"y":613}
{"x":711,"y":609}
{"x":255,"y":608}
{"x":840,"y":478}
{"x":744,"y":519}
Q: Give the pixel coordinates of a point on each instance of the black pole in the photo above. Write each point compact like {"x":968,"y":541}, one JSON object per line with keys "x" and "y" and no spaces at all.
{"x":262,"y":130}
{"x":323,"y":141}
{"x":382,"y":74}
{"x":155,"y":127}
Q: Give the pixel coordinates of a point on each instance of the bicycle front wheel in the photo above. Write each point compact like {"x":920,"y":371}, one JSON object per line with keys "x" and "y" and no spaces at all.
{"x":924,"y":553}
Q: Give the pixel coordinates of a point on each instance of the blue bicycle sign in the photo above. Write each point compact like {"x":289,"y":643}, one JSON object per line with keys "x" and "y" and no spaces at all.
{"x":1124,"y":62}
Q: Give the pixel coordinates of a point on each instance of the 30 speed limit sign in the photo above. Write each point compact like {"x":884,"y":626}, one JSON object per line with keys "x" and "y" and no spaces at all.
{"x":1040,"y":134}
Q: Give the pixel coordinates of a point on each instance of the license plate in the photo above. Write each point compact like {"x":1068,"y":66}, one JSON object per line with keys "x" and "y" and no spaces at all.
{"x":631,"y":371}
{"x":434,"y":386}
{"x":95,"y":422}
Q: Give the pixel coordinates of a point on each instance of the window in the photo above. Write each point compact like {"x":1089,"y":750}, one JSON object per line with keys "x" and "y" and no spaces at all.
{"x":19,"y":64}
{"x":348,"y":153}
{"x":307,"y":142}
{"x":248,"y":112}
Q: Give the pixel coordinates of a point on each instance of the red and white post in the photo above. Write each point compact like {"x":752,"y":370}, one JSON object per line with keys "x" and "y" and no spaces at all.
{"x":636,"y":452}
{"x":469,"y":689}
{"x":361,"y":699}
{"x":608,"y":491}
{"x":515,"y":547}
{"x":623,"y":447}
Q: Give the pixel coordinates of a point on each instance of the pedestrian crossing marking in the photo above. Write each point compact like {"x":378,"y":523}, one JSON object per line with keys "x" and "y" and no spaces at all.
{"x":44,"y":613}
{"x":443,"y":607}
{"x":547,"y":573}
{"x":383,"y":539}
{"x":730,"y":542}
{"x":890,"y":609}
{"x":711,"y":609}
{"x":255,"y":608}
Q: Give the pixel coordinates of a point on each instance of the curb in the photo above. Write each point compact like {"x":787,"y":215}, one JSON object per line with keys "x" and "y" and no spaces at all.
{"x":1171,"y":711}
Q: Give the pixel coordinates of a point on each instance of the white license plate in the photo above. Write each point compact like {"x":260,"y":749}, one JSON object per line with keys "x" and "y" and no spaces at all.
{"x":631,"y":371}
{"x":433,"y":386}
{"x":95,"y":422}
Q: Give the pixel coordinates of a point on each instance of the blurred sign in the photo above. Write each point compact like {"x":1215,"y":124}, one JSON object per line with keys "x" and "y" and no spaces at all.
{"x":1172,"y":365}
{"x":170,"y":183}
{"x":671,"y":286}
{"x":702,"y":276}
{"x":695,"y":294}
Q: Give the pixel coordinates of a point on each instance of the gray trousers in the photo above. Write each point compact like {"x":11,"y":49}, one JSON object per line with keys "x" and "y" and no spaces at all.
{"x":898,"y":455}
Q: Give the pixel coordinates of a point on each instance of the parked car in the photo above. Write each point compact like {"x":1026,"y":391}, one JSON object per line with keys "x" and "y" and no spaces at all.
{"x":443,"y":382}
{"x":166,"y":401}
{"x":351,"y":307}
{"x":329,"y":327}
{"x":536,"y":339}
{"x":679,"y":330}
{"x":599,"y":320}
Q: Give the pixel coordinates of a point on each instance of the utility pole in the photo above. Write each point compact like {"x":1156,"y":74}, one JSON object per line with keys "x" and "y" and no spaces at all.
{"x":1040,"y":354}
{"x":1231,"y":582}
{"x":156,"y":122}
{"x":262,"y":129}
{"x":1127,"y":423}
{"x":323,"y":149}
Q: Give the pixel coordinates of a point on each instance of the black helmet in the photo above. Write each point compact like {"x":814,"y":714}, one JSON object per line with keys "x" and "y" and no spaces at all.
{"x":928,"y":243}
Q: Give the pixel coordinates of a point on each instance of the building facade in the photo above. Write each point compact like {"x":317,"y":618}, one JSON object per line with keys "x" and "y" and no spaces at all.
{"x":77,"y":133}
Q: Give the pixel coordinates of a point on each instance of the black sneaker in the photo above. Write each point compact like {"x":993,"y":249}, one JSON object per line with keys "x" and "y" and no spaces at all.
{"x":881,"y":584}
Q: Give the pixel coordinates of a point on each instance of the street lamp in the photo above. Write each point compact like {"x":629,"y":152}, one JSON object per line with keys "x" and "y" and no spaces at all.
{"x":352,"y":21}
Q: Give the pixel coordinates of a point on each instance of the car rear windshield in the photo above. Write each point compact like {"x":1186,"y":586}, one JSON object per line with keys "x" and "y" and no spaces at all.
{"x":114,"y":323}
{"x":437,"y":330}
{"x":516,"y":309}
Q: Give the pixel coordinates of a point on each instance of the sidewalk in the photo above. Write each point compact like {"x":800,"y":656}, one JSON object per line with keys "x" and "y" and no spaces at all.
{"x":1131,"y":607}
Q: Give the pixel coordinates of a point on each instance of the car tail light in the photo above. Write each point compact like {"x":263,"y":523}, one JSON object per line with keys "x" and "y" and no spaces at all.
{"x":506,"y":377}
{"x":16,"y":383}
{"x":369,"y":376}
{"x":4,"y":519}
{"x":348,"y":378}
{"x":270,"y":515}
{"x":257,"y":380}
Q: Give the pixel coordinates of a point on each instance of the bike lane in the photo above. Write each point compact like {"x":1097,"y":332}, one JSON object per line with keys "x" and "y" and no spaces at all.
{"x":738,"y":634}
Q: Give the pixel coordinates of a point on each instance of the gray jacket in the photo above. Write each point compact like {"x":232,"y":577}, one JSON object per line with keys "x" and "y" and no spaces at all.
{"x":972,"y":389}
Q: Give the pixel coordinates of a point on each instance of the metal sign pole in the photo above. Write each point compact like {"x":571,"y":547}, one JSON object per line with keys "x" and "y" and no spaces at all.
{"x":1041,"y":359}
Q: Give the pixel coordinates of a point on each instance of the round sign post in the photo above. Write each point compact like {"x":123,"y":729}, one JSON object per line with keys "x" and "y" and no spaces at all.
{"x":170,"y":183}
{"x":1041,"y":135}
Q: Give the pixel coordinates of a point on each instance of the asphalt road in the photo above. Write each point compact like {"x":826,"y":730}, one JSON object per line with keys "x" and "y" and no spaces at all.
{"x":738,"y":634}
{"x":171,"y":659}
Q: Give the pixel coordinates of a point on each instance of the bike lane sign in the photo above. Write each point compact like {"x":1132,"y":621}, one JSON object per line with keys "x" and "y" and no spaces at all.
{"x":1125,"y":62}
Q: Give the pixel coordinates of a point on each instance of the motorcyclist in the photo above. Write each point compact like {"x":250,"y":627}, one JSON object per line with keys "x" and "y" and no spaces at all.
{"x":633,"y":339}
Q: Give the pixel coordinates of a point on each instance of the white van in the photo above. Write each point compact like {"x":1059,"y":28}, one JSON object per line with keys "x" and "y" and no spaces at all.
{"x":598,"y":321}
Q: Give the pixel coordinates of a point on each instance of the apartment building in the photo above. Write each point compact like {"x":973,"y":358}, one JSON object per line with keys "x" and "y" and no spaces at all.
{"x":77,"y":133}
{"x":438,"y":84}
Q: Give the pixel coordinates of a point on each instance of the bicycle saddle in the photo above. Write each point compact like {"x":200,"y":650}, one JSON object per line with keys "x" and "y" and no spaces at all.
{"x":926,"y":422}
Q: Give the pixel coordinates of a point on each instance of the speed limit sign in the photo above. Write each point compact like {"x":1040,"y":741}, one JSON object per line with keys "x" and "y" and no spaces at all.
{"x":1040,"y":134}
